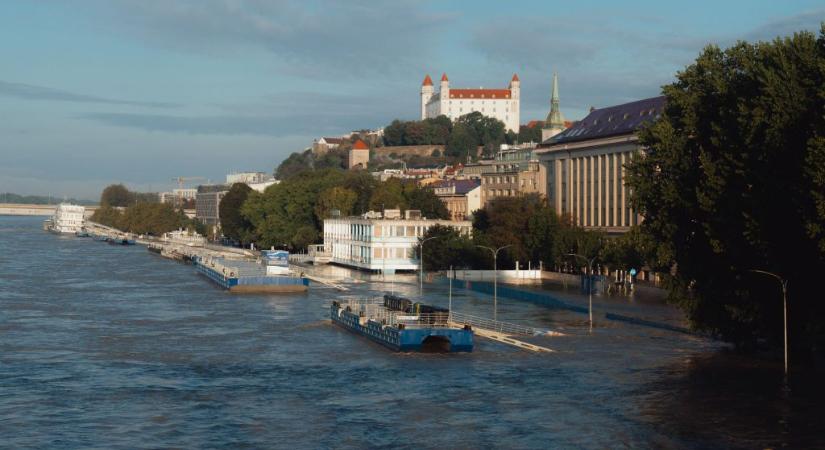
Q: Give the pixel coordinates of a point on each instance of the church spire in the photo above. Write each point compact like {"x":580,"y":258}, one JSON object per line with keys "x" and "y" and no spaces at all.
{"x":555,"y":121}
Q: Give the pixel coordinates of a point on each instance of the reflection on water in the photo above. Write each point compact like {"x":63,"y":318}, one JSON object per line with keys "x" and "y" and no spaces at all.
{"x":104,"y":346}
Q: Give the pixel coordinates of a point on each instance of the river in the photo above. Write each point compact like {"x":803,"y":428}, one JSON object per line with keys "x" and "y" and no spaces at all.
{"x":115,"y":347}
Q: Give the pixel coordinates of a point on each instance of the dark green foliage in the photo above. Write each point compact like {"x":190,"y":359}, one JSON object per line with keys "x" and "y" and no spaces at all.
{"x":119,"y":195}
{"x":299,"y":162}
{"x":526,"y":134}
{"x":733,"y":180}
{"x":450,"y":248}
{"x":533,"y":229}
{"x":143,"y":218}
{"x":116,"y":195}
{"x":462,"y":142}
{"x":233,"y":224}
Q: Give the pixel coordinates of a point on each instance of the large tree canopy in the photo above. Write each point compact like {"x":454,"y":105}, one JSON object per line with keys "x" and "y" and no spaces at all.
{"x":734,"y":180}
{"x":233,"y":224}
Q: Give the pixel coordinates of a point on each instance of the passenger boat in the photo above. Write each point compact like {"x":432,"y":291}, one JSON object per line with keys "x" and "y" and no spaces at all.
{"x":401,"y":325}
{"x":67,"y":219}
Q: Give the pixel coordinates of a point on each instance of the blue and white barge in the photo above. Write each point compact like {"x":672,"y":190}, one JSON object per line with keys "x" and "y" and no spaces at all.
{"x":401,"y":325}
{"x":240,"y":276}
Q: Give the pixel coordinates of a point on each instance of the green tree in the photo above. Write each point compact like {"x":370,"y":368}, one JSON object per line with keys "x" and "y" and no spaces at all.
{"x":394,"y":133}
{"x":233,"y":224}
{"x":733,"y":179}
{"x":448,"y":248}
{"x":337,"y":197}
{"x":116,"y":195}
{"x":462,"y":142}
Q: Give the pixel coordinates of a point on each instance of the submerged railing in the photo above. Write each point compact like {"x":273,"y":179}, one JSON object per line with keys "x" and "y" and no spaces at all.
{"x":493,"y":325}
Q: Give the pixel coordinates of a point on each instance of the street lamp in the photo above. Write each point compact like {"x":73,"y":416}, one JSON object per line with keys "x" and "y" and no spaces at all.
{"x":784,"y":283}
{"x":589,"y":285}
{"x":495,"y":276}
{"x":421,"y":264}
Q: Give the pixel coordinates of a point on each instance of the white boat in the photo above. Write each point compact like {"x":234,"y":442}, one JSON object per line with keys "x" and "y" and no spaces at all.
{"x":68,"y":218}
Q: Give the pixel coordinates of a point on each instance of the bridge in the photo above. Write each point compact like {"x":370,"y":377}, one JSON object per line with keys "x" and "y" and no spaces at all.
{"x":22,"y":209}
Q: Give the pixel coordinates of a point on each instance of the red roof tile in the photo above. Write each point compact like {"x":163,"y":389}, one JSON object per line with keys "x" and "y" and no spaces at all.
{"x":515,"y":77}
{"x":444,"y":77}
{"x":360,"y":145}
{"x":427,"y":81}
{"x":480,"y":93}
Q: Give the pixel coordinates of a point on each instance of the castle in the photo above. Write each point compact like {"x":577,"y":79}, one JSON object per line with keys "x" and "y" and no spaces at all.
{"x":502,"y":104}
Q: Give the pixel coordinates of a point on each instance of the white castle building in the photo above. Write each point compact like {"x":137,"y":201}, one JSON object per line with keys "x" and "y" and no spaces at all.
{"x":502,"y":104}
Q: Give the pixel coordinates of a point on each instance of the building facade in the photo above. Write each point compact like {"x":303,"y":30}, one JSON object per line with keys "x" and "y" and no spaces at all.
{"x":502,"y":104}
{"x":585,"y":165}
{"x":516,"y":171}
{"x":377,"y":243}
{"x":207,"y":203}
{"x":461,"y":197}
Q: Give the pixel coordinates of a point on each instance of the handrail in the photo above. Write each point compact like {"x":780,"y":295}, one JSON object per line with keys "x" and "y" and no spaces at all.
{"x":493,"y":325}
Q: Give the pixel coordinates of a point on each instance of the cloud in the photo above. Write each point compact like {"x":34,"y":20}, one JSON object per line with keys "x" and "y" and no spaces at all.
{"x":316,"y":38}
{"x":32,"y":92}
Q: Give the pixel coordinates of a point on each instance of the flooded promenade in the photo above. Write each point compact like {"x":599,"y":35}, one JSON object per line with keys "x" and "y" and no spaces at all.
{"x":114,"y":347}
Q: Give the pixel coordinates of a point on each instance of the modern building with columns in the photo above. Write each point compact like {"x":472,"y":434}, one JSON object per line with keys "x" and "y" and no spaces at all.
{"x":585,"y":165}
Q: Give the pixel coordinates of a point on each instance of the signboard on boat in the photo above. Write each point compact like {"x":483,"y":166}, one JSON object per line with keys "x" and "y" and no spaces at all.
{"x":278,"y":258}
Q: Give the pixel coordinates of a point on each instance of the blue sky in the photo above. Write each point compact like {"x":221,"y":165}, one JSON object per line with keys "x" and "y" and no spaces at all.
{"x":95,"y":92}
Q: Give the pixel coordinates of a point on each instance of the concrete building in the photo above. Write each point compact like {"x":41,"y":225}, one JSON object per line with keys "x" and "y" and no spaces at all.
{"x":502,"y":104}
{"x":178,"y":196}
{"x":377,"y":242}
{"x":461,"y":197}
{"x":359,"y":155}
{"x":516,"y":171}
{"x":207,"y":203}
{"x":585,"y":165}
{"x":247,"y":177}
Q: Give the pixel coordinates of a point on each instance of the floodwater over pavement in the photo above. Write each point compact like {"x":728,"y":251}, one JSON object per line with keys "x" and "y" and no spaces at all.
{"x":114,"y":347}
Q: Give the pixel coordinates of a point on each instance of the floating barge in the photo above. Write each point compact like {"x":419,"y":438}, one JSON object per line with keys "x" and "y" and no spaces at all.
{"x":401,"y":325}
{"x":247,"y":277}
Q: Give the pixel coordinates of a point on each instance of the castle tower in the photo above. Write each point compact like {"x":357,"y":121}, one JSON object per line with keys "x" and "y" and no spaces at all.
{"x":515,"y":87}
{"x":444,"y":93}
{"x":426,"y":95}
{"x":555,"y":121}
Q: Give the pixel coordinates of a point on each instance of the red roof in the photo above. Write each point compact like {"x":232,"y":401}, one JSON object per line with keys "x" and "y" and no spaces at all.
{"x":427,"y":81}
{"x":360,"y":145}
{"x":480,"y":93}
{"x":515,"y":77}
{"x":533,"y":123}
{"x":444,"y":77}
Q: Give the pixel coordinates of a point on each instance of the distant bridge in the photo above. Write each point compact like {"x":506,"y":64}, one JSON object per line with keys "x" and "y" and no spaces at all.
{"x":22,"y":209}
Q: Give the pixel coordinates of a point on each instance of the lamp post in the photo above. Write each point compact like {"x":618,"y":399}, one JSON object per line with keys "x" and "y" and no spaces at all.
{"x":495,"y":276}
{"x":784,"y":283}
{"x":589,"y":285}
{"x":421,"y":265}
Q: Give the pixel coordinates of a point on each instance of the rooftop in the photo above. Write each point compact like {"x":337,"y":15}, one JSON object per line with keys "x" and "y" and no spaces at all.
{"x":616,"y":120}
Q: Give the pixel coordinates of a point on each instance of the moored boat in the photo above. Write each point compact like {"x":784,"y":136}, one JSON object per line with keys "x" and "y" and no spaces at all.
{"x":401,"y":325}
{"x":248,"y":277}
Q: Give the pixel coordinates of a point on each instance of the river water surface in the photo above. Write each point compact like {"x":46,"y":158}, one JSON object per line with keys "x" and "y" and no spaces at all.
{"x":115,"y":347}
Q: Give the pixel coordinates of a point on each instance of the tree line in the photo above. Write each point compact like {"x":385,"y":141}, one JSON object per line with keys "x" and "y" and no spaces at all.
{"x":291,"y":214}
{"x":140,"y":213}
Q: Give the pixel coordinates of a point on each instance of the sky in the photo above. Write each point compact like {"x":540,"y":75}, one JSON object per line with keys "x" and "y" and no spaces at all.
{"x":94,"y":92}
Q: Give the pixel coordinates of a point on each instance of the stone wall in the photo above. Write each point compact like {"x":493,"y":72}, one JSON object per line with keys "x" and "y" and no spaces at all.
{"x":418,"y":150}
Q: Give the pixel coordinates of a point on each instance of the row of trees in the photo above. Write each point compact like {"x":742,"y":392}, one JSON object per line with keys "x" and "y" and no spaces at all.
{"x":461,"y":138}
{"x":119,"y":196}
{"x":534,"y":232}
{"x":140,"y":213}
{"x":291,"y":214}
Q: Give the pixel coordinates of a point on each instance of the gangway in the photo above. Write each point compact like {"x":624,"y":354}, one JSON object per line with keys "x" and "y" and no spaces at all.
{"x":499,"y":331}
